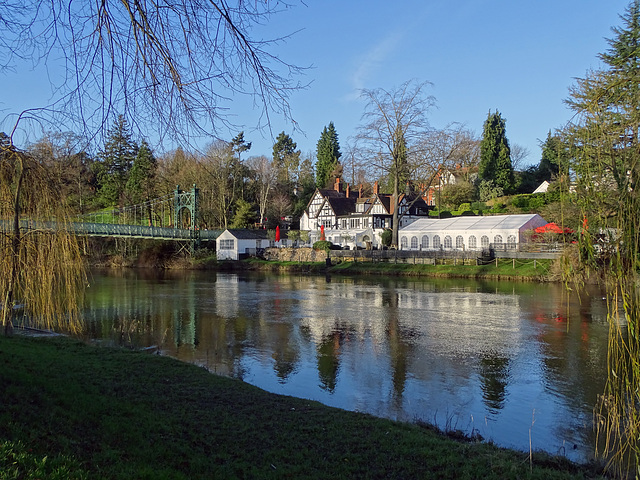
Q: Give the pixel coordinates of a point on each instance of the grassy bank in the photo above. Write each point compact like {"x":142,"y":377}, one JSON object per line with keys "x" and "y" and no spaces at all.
{"x":74,"y":411}
{"x":507,"y":269}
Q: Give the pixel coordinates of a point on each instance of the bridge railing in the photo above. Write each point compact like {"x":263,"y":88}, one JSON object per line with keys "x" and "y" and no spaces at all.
{"x":137,"y":231}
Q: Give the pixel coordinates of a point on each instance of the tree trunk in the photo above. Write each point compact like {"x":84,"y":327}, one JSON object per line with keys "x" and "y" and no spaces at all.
{"x":9,"y":301}
{"x":395,"y":219}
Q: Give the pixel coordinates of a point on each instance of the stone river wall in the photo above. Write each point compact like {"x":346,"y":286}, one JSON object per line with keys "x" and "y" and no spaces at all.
{"x":295,"y":254}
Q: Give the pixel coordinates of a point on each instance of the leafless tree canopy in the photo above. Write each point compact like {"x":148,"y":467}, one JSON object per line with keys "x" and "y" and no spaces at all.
{"x":171,"y":64}
{"x":402,"y":109}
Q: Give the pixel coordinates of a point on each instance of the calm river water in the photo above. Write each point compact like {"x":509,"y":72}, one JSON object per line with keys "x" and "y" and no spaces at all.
{"x":516,"y":362}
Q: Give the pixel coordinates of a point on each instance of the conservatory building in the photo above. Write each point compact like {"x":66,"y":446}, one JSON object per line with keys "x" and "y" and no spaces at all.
{"x":468,"y":233}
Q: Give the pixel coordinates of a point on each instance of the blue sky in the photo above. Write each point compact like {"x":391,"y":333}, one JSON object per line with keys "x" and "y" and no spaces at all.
{"x":519,"y":57}
{"x":516,"y":56}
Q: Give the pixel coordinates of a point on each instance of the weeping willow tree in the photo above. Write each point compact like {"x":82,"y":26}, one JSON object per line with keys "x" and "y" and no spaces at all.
{"x":41,"y":268}
{"x":605,"y":145}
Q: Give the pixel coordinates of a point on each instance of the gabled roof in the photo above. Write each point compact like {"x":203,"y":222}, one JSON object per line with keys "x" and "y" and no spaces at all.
{"x":245,"y":234}
{"x":342,"y":205}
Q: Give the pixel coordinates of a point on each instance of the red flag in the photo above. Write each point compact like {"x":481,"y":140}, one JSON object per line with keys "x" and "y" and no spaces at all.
{"x":277,"y":233}
{"x":322,"y":233}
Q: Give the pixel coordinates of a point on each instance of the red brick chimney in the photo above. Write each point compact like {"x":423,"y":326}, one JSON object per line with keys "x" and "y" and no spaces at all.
{"x":348,"y":190}
{"x":375,"y":188}
{"x":336,"y":187}
{"x":360,"y":191}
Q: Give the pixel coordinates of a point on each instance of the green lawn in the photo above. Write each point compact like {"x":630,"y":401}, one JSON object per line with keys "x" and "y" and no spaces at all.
{"x":70,"y":410}
{"x":538,"y":270}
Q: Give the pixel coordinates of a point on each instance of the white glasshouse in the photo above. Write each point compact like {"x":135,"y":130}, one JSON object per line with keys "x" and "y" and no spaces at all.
{"x":468,"y":233}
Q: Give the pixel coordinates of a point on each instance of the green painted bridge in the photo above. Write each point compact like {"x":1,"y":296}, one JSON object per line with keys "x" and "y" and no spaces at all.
{"x":172,"y":217}
{"x":141,"y":231}
{"x":115,"y":230}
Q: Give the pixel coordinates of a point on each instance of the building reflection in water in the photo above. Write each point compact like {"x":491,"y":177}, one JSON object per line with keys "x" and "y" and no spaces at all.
{"x":406,"y":349}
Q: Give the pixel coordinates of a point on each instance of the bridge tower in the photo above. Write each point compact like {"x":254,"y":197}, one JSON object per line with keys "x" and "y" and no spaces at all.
{"x":185,"y":212}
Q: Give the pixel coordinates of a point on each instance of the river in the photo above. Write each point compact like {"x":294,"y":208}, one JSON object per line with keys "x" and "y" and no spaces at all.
{"x":518,"y":363}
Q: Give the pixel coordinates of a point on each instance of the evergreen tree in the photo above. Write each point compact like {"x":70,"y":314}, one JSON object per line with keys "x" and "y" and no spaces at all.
{"x":239,"y":144}
{"x":552,"y":157}
{"x":328,"y":156}
{"x":286,"y":158}
{"x":495,"y":154}
{"x":604,"y":152}
{"x":115,"y":162}
{"x":244,"y":216}
{"x":141,"y":182}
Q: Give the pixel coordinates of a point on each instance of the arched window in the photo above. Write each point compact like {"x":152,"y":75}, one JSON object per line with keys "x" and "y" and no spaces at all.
{"x":403,"y":243}
{"x":473,"y":243}
{"x":447,"y":242}
{"x":436,"y":241}
{"x":484,"y":241}
{"x":497,"y":239}
{"x":511,"y":241}
{"x":414,"y":243}
{"x":425,"y":241}
{"x":459,"y":241}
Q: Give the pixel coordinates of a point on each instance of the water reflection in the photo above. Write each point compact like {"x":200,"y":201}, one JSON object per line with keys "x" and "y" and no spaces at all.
{"x":501,"y":358}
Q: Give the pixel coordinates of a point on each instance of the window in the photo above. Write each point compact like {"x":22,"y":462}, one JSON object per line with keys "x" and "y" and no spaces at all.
{"x":425,"y":241}
{"x":484,"y":241}
{"x":436,"y":241}
{"x":226,"y":244}
{"x":459,"y":241}
{"x":497,"y":239}
{"x":473,"y":242}
{"x":403,"y":243}
{"x":447,"y":242}
{"x":511,"y":241}
{"x":414,"y":243}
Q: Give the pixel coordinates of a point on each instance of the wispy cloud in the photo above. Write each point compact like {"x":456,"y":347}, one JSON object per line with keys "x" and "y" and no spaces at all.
{"x":372,"y":60}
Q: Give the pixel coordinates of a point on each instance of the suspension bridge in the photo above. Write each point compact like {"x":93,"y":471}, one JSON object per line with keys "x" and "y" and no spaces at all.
{"x":172,"y":217}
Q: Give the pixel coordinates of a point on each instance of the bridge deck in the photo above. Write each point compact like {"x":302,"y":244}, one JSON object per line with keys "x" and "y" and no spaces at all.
{"x":114,"y":230}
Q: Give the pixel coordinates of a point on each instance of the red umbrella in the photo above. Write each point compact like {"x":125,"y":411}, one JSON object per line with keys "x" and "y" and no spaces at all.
{"x":322,"y":233}
{"x":277,"y":233}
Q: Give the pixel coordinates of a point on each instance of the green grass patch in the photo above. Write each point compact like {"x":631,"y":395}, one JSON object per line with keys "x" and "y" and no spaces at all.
{"x":504,"y":268}
{"x":538,"y":270}
{"x":71,"y":410}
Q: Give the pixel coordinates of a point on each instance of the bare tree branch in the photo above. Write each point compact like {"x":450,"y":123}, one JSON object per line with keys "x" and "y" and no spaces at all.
{"x":172,"y":65}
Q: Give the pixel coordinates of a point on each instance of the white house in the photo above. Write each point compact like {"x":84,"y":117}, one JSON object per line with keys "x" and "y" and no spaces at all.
{"x":468,"y":233}
{"x":235,"y":244}
{"x":349,"y":218}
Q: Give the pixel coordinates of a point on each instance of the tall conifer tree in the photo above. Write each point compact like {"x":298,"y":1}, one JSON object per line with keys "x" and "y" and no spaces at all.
{"x":115,"y":162}
{"x":328,"y":156}
{"x":286,"y":158}
{"x":141,"y":181}
{"x":495,"y":154}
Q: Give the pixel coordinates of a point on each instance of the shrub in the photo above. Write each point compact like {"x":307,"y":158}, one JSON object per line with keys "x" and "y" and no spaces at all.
{"x":322,"y":245}
{"x":386,"y":236}
{"x":521,"y":202}
{"x":464,"y":207}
